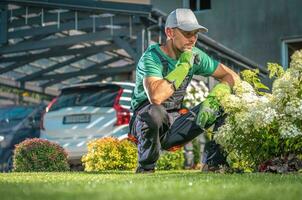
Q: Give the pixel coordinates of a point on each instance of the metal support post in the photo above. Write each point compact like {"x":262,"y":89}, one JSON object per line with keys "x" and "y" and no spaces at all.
{"x":130,"y":27}
{"x":143,"y":41}
{"x":111,"y":25}
{"x":76,"y":20}
{"x":189,"y":155}
{"x":149,"y":37}
{"x":58,"y":22}
{"x":42,"y":17}
{"x":159,"y":32}
{"x":26,"y":15}
{"x":93,"y":23}
{"x":3,"y":24}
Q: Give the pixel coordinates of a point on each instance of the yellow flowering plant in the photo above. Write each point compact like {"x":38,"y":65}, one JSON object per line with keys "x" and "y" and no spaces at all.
{"x":109,"y":153}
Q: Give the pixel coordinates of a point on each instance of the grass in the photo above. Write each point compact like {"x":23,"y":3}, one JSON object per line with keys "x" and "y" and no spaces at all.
{"x":183,"y":185}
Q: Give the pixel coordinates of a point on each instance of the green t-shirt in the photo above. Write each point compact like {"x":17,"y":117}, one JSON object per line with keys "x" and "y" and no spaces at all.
{"x":150,"y":65}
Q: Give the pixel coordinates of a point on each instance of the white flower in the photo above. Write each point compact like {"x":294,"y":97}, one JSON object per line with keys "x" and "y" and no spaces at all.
{"x":250,"y":97}
{"x":196,"y":93}
{"x":296,"y":63}
{"x":242,"y":87}
{"x":294,"y":108}
{"x":264,"y":99}
{"x":285,"y":87}
{"x":289,"y":130}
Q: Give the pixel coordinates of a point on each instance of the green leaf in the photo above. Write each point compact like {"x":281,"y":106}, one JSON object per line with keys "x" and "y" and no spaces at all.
{"x":261,"y":86}
{"x":251,"y":76}
{"x":275,"y":70}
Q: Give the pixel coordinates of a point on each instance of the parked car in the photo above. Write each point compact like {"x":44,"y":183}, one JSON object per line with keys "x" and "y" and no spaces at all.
{"x":17,"y":123}
{"x":87,"y":111}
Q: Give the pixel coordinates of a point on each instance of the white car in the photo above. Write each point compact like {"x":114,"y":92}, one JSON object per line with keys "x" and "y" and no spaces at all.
{"x":88,"y":111}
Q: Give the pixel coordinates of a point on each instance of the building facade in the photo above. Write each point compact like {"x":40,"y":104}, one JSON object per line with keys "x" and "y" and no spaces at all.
{"x":261,"y":30}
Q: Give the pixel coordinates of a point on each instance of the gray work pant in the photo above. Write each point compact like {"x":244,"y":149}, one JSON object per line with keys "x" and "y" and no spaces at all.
{"x":156,"y":128}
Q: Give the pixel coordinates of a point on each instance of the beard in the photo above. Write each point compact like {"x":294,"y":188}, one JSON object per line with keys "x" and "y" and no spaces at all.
{"x":188,"y":46}
{"x":179,"y":49}
{"x":184,"y":48}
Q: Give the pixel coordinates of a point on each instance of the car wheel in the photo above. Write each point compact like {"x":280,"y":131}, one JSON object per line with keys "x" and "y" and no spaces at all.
{"x":7,"y":166}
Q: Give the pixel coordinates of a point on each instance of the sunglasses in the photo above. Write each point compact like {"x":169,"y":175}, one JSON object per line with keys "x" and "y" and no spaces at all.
{"x":188,"y":34}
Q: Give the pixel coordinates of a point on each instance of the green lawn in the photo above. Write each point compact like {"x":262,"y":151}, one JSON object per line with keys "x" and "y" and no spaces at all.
{"x":174,"y":185}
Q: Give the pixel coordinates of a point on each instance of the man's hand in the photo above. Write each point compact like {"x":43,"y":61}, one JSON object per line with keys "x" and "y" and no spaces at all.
{"x":187,"y":57}
{"x":185,"y":62}
{"x":210,"y":109}
{"x":225,"y":74}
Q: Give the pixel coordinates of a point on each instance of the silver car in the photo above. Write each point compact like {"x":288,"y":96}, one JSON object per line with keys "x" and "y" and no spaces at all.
{"x":88,"y":111}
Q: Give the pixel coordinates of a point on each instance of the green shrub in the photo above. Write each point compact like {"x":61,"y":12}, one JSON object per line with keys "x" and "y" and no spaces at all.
{"x":37,"y":155}
{"x":110,"y":154}
{"x":171,"y":160}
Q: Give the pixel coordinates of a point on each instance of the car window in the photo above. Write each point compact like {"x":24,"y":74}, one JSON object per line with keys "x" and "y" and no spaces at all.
{"x":11,"y":116}
{"x":96,"y":96}
{"x":15,"y":112}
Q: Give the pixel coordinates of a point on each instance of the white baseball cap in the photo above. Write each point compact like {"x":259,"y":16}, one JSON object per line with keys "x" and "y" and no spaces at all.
{"x":184,"y":19}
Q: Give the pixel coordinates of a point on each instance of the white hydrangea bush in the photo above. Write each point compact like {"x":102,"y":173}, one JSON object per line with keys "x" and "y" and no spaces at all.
{"x":260,"y":127}
{"x":196,"y":93}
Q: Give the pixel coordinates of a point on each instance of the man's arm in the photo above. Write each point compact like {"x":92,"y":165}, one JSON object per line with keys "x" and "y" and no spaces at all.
{"x":225,"y":75}
{"x":209,"y":109}
{"x":158,"y":89}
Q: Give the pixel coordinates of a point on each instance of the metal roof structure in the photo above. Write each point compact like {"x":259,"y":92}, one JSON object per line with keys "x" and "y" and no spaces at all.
{"x":48,"y":44}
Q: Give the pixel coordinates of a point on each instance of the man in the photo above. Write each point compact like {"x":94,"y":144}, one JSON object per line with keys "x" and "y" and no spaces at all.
{"x":162,"y":75}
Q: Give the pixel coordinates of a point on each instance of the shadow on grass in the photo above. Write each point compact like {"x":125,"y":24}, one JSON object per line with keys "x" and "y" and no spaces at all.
{"x":110,"y":172}
{"x":157,"y":173}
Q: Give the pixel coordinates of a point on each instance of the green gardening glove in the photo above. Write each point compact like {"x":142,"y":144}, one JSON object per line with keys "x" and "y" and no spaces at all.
{"x":187,"y":57}
{"x":210,"y":109}
{"x":185,"y":62}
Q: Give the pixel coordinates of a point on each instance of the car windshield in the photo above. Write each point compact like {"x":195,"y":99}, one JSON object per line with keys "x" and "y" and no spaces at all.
{"x":94,"y":96}
{"x":11,"y":116}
